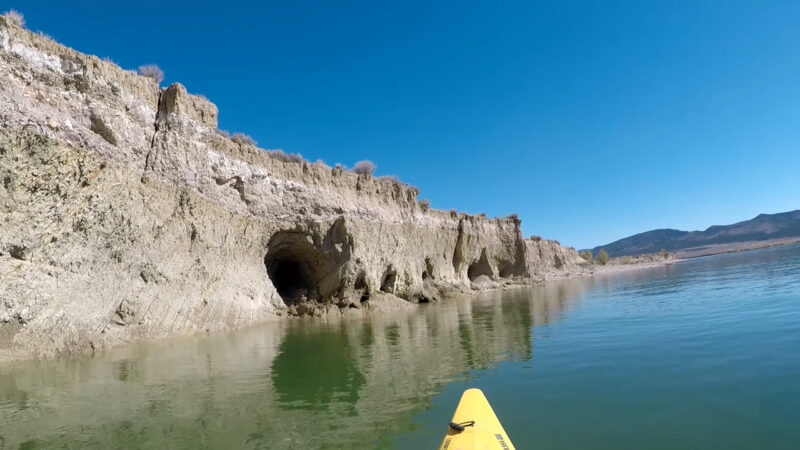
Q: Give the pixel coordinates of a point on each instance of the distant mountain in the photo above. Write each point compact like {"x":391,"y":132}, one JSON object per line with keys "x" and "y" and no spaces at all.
{"x":760,"y":228}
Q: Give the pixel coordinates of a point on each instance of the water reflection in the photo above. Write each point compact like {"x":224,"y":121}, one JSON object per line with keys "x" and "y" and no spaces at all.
{"x":297,"y":385}
{"x":310,"y":373}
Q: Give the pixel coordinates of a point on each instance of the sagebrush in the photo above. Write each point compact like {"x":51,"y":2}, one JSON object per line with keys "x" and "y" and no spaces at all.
{"x":152,"y":71}
{"x":364,"y":167}
{"x":285,"y":157}
{"x":243,"y":139}
{"x":15,"y":17}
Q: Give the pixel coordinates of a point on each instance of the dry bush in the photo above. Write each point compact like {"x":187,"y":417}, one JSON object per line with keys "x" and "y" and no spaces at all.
{"x":394,"y":179}
{"x":586,"y":254}
{"x":513,"y":216}
{"x":602,"y":257}
{"x":425,"y":204}
{"x":44,"y":35}
{"x":281,"y":155}
{"x":364,"y":167}
{"x":15,"y":18}
{"x":243,"y":139}
{"x":152,"y":71}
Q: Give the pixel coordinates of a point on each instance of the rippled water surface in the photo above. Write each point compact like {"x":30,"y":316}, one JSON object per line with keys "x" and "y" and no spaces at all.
{"x":701,"y":354}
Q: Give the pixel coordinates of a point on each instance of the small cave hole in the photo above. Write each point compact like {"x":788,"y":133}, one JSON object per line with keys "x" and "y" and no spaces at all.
{"x":361,"y":285}
{"x":506,"y":269}
{"x":361,"y":282}
{"x":423,"y":299}
{"x":428,"y":269}
{"x":388,"y":281}
{"x":480,"y":268}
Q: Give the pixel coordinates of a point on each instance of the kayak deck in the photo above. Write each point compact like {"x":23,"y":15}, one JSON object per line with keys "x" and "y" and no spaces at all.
{"x":475,"y":425}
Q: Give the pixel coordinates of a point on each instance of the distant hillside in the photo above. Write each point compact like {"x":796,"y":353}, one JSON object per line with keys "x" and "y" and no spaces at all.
{"x":761,"y":228}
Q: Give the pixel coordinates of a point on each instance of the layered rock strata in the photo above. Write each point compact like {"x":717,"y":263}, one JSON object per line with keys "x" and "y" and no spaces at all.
{"x":125,"y":214}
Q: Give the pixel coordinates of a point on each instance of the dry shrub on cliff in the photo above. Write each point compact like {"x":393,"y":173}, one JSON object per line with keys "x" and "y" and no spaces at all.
{"x":586,"y":254}
{"x":394,"y":179}
{"x":152,"y":71}
{"x":514,"y":216}
{"x":243,"y":139}
{"x":425,"y":204}
{"x":44,"y":35}
{"x":281,"y":155}
{"x":364,"y":167}
{"x":15,"y":17}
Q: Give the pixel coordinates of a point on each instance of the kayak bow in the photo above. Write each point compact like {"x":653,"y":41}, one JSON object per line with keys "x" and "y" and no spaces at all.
{"x":475,"y":426}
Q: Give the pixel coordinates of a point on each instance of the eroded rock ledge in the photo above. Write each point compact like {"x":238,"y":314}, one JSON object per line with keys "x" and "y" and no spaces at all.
{"x":125,"y":215}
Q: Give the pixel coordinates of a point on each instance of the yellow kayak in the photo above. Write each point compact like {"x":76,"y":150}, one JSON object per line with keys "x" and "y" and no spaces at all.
{"x":475,"y":426}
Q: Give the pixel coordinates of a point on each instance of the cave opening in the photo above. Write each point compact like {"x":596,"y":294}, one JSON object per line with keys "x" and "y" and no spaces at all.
{"x":361,"y":285}
{"x":289,"y":278}
{"x":295,"y":267}
{"x":428,"y":269}
{"x":505,"y":269}
{"x":389,"y":280}
{"x":481,"y":267}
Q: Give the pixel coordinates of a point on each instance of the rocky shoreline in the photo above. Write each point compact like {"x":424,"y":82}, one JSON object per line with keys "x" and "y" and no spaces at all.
{"x":127,"y":215}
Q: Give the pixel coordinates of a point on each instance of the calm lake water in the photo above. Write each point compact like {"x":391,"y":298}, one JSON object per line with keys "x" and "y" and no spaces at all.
{"x":702,"y":354}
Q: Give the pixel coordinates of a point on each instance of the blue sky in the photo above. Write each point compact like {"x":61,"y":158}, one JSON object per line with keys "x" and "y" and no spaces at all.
{"x":592,"y":120}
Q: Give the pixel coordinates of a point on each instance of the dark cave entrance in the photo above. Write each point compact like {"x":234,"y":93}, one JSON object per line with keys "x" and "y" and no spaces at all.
{"x":388,"y":280}
{"x":288,"y":277}
{"x":480,"y":268}
{"x":506,"y":269}
{"x":295,"y":267}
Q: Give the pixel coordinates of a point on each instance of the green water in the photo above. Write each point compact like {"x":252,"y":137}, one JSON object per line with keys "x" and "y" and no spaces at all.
{"x":702,"y":354}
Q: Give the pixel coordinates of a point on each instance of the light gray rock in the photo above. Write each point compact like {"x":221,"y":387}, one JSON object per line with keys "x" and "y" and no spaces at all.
{"x":126,"y":215}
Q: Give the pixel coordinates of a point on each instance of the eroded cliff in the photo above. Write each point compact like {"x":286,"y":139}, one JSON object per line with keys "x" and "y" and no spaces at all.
{"x":125,"y":214}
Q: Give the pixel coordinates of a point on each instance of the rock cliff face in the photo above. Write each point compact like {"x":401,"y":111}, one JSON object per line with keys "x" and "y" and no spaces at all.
{"x":125,"y":214}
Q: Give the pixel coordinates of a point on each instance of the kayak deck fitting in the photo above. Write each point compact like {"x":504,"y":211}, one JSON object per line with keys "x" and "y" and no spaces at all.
{"x":475,"y":425}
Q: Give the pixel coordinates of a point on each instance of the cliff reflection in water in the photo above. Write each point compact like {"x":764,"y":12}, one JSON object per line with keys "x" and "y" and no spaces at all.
{"x":291,"y":385}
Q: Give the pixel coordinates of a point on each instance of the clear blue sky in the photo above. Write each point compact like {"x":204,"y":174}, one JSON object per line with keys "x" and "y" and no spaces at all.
{"x":592,"y":120}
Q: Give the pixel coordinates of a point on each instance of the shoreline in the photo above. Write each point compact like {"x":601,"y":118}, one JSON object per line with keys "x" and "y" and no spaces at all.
{"x":379,"y":306}
{"x":746,"y":246}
